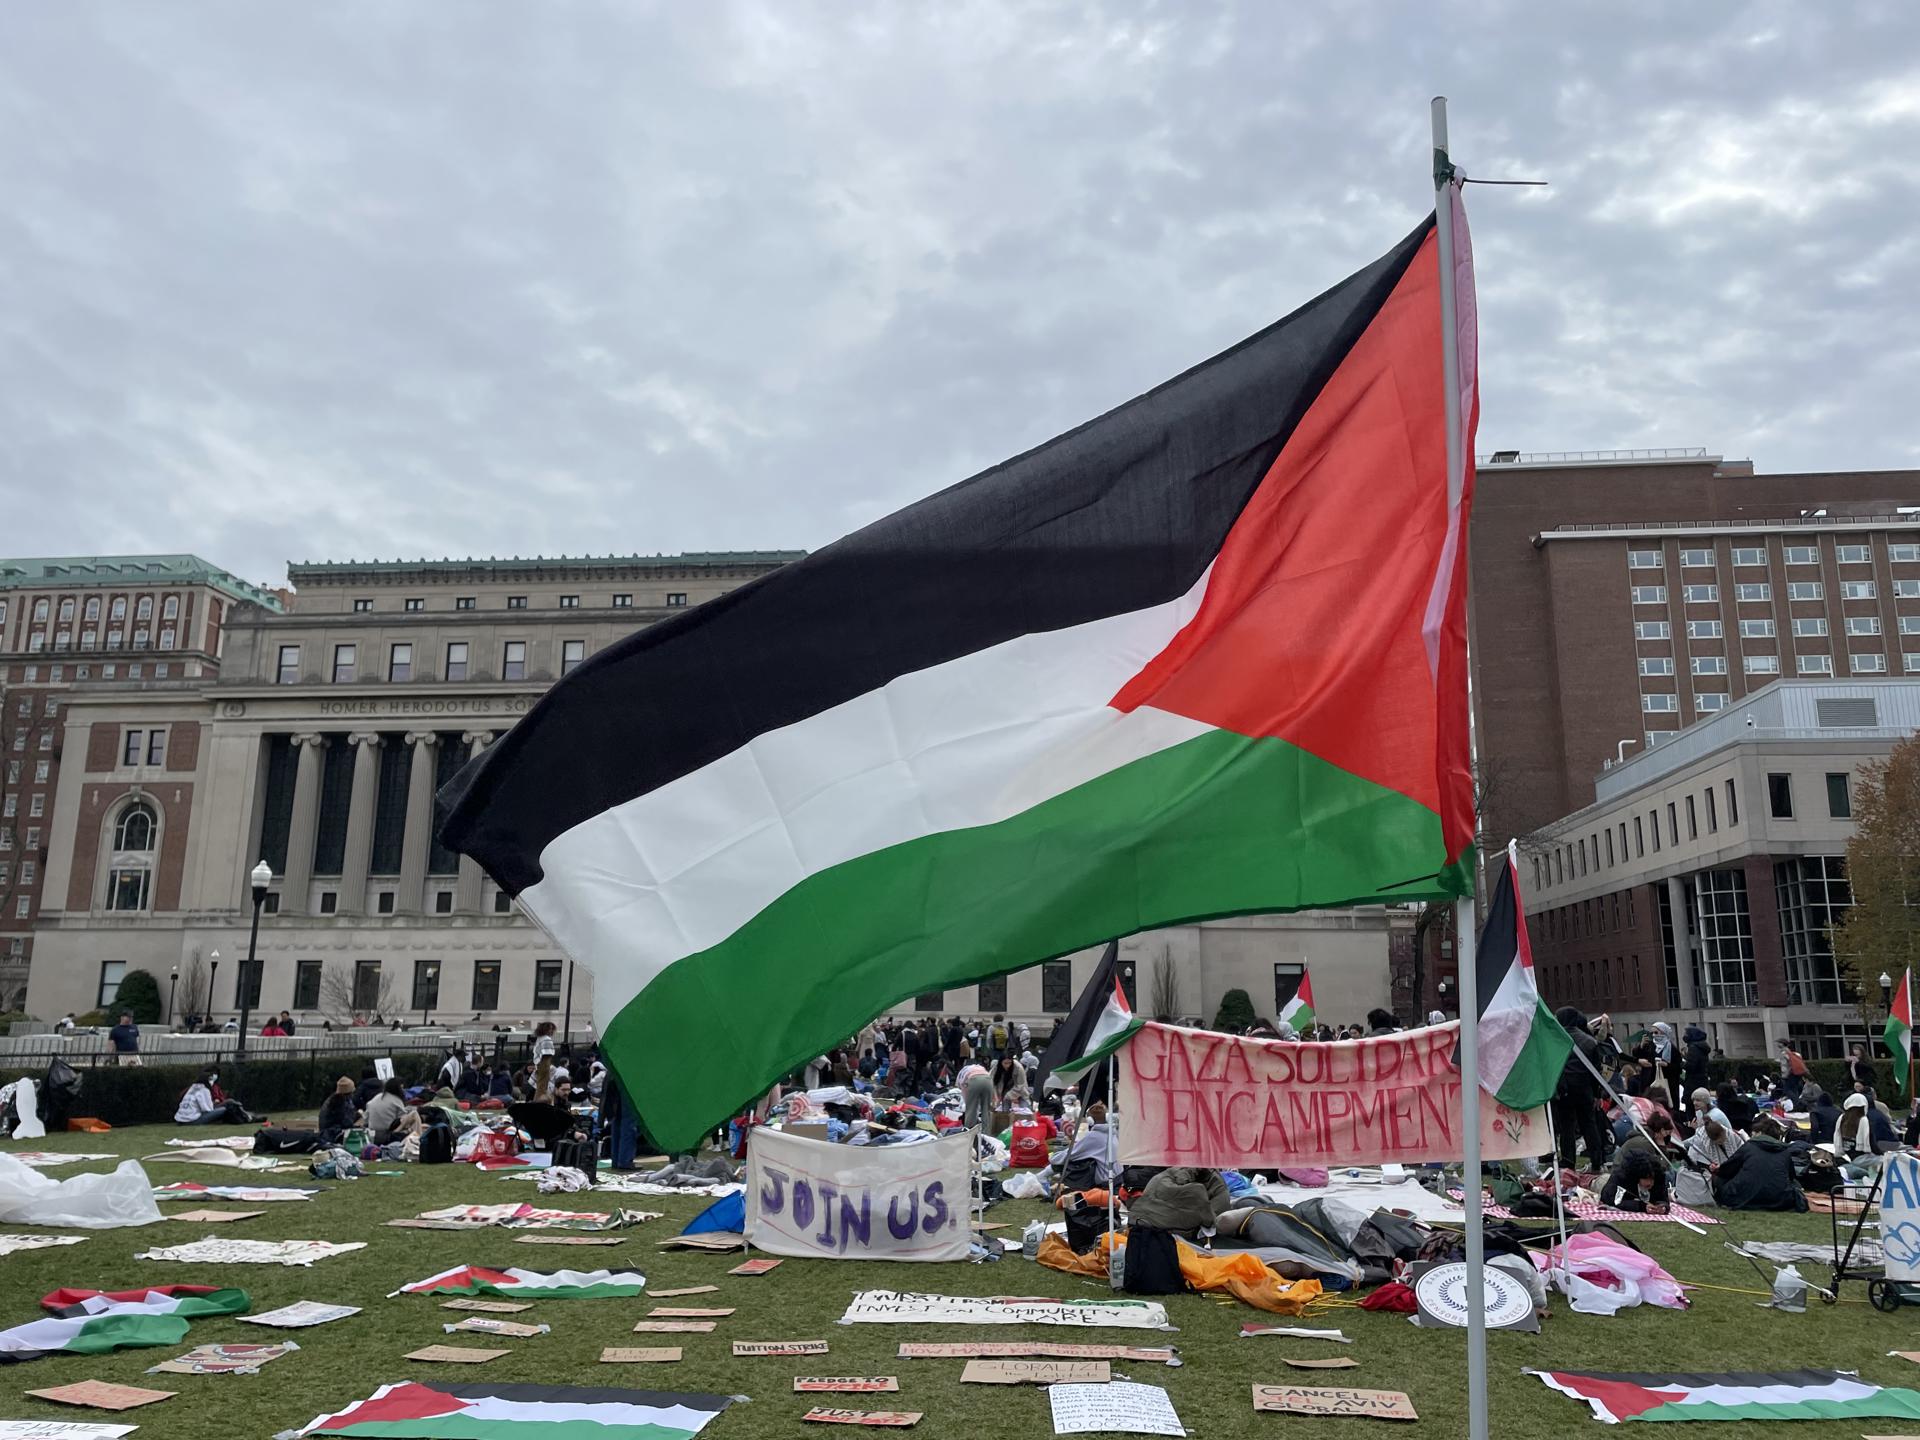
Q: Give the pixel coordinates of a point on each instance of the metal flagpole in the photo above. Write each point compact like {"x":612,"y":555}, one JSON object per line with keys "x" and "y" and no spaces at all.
{"x":1113,"y":1177}
{"x":1443,"y":183}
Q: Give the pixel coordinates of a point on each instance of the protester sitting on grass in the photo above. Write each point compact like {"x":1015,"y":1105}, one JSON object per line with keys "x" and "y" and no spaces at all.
{"x":1863,"y":1131}
{"x":1638,"y":1181}
{"x":339,"y":1114}
{"x":203,"y":1103}
{"x":389,"y":1117}
{"x":368,"y":1087}
{"x":1713,"y":1143}
{"x":1738,"y":1108}
{"x":1822,"y":1114}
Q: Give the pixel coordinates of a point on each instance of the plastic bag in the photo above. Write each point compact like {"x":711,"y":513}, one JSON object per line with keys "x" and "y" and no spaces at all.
{"x":1026,"y":1185}
{"x":82,"y":1202}
{"x":1789,"y":1290}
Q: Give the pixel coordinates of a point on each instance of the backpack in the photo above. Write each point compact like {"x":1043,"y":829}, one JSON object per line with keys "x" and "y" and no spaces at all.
{"x":998,"y":1034}
{"x":1153,"y":1262}
{"x":436,"y":1145}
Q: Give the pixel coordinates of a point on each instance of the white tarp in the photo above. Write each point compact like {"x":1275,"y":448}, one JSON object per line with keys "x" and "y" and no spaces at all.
{"x":893,"y":1307}
{"x":83,"y":1202}
{"x":1900,"y":1217}
{"x":836,"y":1202}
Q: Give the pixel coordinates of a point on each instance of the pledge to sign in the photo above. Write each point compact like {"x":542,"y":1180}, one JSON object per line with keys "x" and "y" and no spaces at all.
{"x":1193,"y":1097}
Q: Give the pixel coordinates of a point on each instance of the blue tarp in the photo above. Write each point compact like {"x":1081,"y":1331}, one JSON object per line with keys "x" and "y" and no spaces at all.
{"x":728,"y":1213}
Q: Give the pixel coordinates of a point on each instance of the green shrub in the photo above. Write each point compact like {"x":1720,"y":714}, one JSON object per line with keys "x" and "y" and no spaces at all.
{"x":139,"y":994}
{"x":1236,"y":1012}
{"x":288,"y":1090}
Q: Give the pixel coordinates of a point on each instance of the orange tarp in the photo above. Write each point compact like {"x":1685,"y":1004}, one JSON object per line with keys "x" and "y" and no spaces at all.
{"x":1241,"y":1275}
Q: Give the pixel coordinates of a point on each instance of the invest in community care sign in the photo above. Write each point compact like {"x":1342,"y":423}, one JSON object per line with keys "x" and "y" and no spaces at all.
{"x":1192,"y":1097}
{"x":845,"y":1202}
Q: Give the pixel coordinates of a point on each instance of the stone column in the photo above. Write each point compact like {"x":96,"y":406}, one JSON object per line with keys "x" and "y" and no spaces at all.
{"x":1682,"y":946}
{"x":303,"y":827}
{"x":360,"y":808}
{"x":466,"y":895}
{"x":413,"y":844}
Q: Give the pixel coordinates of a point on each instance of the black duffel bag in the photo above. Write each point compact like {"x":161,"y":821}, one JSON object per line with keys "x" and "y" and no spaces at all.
{"x":285,"y":1142}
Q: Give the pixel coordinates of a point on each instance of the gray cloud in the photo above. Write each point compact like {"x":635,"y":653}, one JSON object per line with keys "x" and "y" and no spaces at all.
{"x":291,"y":282}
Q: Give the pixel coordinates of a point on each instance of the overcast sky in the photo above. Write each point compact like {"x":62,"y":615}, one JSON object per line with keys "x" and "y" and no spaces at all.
{"x":287,"y":282}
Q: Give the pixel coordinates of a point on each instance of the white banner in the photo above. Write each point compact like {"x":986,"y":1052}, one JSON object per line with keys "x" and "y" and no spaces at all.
{"x":1900,"y":1217}
{"x":892,"y":1307}
{"x":816,"y":1200}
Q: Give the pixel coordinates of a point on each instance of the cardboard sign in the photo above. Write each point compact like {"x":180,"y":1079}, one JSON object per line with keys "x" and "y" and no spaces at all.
{"x":1338,"y":1362}
{"x":570,"y":1239}
{"x":487,"y":1307}
{"x":1193,"y":1097}
{"x":300,"y":1315}
{"x":10,"y":1244}
{"x":687,"y":1312}
{"x":1363,"y":1404}
{"x":1121,"y":1408}
{"x":455,"y":1355}
{"x":484,"y":1325}
{"x":779,"y":1347}
{"x":841,"y":1202}
{"x":99,"y":1395}
{"x":684,"y":1290}
{"x":754,"y":1267}
{"x":215,"y":1217}
{"x":639,"y":1355}
{"x":1296,"y":1332}
{"x":894,"y":1307}
{"x":845,"y":1384}
{"x":383,"y":1068}
{"x":900,"y":1419}
{"x":710,"y":1240}
{"x":1036,"y":1372}
{"x":223,"y":1359}
{"x":1900,"y":1216}
{"x":61,"y":1430}
{"x":1038,"y":1349}
{"x":674,"y":1327}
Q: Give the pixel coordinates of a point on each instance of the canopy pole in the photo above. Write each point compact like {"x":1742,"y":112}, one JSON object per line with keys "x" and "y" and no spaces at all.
{"x":1113,"y":1177}
{"x":1444,"y":181}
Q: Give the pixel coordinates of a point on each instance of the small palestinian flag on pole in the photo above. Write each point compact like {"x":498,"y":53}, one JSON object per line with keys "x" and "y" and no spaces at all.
{"x":1522,"y":1047}
{"x":93,"y":1322}
{"x":506,"y":1412}
{"x":1115,"y":1027}
{"x":1202,"y":656}
{"x":530,"y":1284}
{"x":1790,"y":1395}
{"x":1899,"y":1031}
{"x":1298,"y":1012}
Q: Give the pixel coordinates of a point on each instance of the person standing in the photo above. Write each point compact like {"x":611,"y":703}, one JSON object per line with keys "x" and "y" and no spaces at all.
{"x":976,"y":1092}
{"x":1793,"y":1070}
{"x":1694,"y":1061}
{"x":125,"y":1038}
{"x":912,"y":1047}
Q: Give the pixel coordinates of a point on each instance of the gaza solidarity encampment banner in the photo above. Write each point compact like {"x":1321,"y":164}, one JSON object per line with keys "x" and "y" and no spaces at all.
{"x":1192,"y":1097}
{"x":870,"y":1202}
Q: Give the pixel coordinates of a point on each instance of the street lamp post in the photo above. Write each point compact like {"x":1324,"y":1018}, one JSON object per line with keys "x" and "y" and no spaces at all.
{"x":213,"y":984}
{"x":262,"y":878}
{"x":428,"y":995}
{"x":173,"y":979}
{"x":1886,"y":1000}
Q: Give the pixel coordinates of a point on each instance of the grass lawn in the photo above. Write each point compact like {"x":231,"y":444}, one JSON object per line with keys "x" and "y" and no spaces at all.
{"x":344,"y":1361}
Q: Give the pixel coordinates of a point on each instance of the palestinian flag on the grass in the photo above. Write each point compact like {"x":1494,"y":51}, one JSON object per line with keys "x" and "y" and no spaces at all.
{"x":1522,"y":1047}
{"x":92,"y":1322}
{"x":1788,"y":1395}
{"x":1115,"y":1027}
{"x":1203,"y":656}
{"x":1298,"y":1011}
{"x":1899,"y":1031}
{"x":530,"y":1284}
{"x":520,"y":1412}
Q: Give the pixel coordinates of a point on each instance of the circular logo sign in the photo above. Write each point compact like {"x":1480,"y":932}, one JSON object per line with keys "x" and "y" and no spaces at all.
{"x":1442,"y":1293}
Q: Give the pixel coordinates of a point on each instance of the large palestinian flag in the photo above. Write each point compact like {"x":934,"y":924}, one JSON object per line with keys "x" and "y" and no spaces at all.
{"x":93,"y":1322}
{"x":530,"y":1284}
{"x":520,"y":1412}
{"x":1789,"y":1395}
{"x":1202,"y":656}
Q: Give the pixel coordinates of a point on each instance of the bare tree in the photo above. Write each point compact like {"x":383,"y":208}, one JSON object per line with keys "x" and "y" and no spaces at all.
{"x":193,"y":992}
{"x":345,"y":1001}
{"x":1166,"y":985}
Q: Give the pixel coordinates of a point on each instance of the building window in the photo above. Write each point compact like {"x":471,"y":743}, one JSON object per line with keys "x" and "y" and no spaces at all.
{"x":569,"y":602}
{"x":345,"y":663}
{"x":1709,"y":701}
{"x":170,"y":608}
{"x":143,"y":608}
{"x":486,"y":985}
{"x":1780,"y":796}
{"x":546,"y":984}
{"x":400,"y":662}
{"x":413,"y":604}
{"x":156,"y":747}
{"x":1859,"y":590}
{"x":623,"y":602}
{"x":1753,"y":592}
{"x":1725,"y":935}
{"x":383,"y":902}
{"x":1673,"y":823}
{"x":456,"y":660}
{"x":366,"y":984}
{"x":572,"y":652}
{"x":1839,"y":800}
{"x":90,"y":638}
{"x":992,"y":997}
{"x":361,"y":607}
{"x":426,"y":984}
{"x":130,"y":876}
{"x":1859,"y":663}
{"x":1863,"y":625}
{"x":1659,"y":704}
{"x":166,"y":637}
{"x":306,"y":984}
{"x":676,"y":599}
{"x":116,"y":611}
{"x":1643,"y":560}
{"x":1762,"y":664}
{"x":1802,"y":555}
{"x":134,"y":830}
{"x":140,"y":637}
{"x":1639,"y":840}
{"x":1056,"y":987}
{"x":271,"y":905}
{"x":1733,"y":805}
{"x":502,"y":903}
{"x":1703,"y":630}
{"x":1693,"y":820}
{"x":246,"y":984}
{"x":931,"y":1003}
{"x":131,"y":748}
{"x":513,"y":661}
{"x":1709,"y":664}
{"x":1609,"y":846}
{"x":1812,"y":895}
{"x":463,"y":602}
{"x":111,"y":974}
{"x":1697,"y":558}
{"x":443,"y":902}
{"x":1749,"y":555}
{"x":41,"y":769}
{"x":1906,"y":589}
{"x":1756,"y":630}
{"x":1894,"y":552}
{"x":1700,"y":594}
{"x":329,"y":902}
{"x":1656,"y":664}
{"x":1806,"y":590}
{"x":1815,"y":664}
{"x":1652,"y":630}
{"x":1649,"y":594}
{"x":1852,"y":554}
{"x":1910,"y":659}
{"x":516,"y":602}
{"x":289,"y":671}
{"x":1809,"y":628}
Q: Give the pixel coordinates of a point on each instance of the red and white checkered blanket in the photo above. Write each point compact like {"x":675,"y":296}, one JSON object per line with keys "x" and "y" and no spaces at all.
{"x":1593,"y":1210}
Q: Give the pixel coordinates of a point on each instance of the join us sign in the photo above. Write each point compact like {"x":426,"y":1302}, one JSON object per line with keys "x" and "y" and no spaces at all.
{"x":1192,"y":1097}
{"x":856,"y":1202}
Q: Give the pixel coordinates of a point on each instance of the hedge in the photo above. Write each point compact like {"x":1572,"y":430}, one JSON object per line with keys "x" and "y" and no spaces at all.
{"x":291,"y":1091}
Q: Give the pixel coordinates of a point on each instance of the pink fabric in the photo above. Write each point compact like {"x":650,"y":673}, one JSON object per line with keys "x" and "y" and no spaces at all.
{"x":1620,"y":1276}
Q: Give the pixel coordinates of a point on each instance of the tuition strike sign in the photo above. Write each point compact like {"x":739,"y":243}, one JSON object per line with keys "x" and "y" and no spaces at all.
{"x":838,"y":1202}
{"x":1192,"y":1097}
